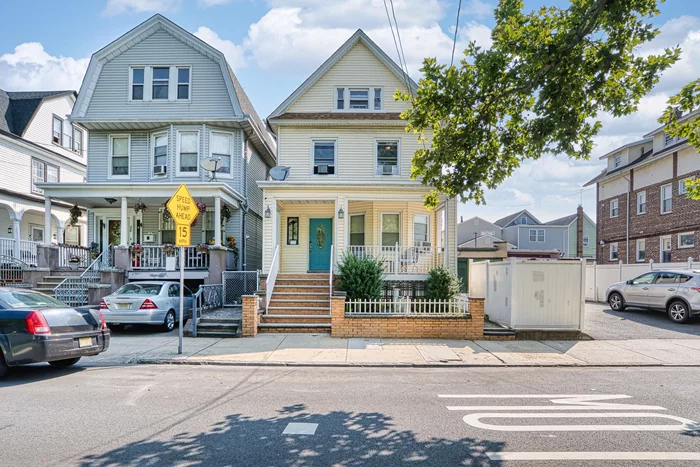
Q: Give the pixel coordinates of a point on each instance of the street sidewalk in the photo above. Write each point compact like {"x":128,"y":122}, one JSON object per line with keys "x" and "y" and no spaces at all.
{"x":321,"y":349}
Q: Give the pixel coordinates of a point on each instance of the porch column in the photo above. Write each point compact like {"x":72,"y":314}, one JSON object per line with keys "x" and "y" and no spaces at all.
{"x":47,"y":220}
{"x":18,"y":239}
{"x":124,"y":233}
{"x":341,"y":203}
{"x":217,"y":221}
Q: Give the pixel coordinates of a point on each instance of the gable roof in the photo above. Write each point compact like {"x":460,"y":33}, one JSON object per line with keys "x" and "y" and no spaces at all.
{"x":242,"y":106}
{"x":566,"y":220}
{"x":504,"y":221}
{"x":18,"y":108}
{"x":359,"y":36}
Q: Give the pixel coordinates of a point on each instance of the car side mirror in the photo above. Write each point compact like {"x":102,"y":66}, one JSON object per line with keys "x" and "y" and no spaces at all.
{"x":629,"y":282}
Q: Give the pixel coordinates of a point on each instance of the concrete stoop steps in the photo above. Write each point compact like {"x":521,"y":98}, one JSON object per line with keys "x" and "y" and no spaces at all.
{"x":49,"y":283}
{"x":218,"y":327}
{"x":299,"y":303}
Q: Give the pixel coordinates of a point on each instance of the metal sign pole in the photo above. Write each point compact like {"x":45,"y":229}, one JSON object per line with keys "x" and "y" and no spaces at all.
{"x":182,"y":296}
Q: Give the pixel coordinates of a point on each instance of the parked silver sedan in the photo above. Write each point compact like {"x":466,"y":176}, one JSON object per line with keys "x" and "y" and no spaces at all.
{"x":677,"y":292}
{"x":152,"y":302}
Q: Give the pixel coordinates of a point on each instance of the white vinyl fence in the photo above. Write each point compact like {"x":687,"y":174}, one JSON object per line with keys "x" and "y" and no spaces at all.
{"x":601,"y":276}
{"x":526,"y":294}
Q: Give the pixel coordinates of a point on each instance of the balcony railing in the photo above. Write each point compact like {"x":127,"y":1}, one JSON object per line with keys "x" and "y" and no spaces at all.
{"x":401,"y":260}
{"x":154,"y":257}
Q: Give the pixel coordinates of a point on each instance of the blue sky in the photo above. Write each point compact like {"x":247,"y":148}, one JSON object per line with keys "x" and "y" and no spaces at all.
{"x":274,"y":45}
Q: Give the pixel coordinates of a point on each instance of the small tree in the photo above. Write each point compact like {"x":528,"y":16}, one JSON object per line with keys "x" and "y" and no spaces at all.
{"x":441,"y":285}
{"x":361,"y":277}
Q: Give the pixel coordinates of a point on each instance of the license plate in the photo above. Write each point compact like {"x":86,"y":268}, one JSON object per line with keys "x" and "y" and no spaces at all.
{"x":85,"y":342}
{"x":123,"y":306}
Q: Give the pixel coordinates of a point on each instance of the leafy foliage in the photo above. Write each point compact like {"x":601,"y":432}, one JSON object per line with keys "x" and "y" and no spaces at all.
{"x":685,"y":102}
{"x":537,"y":90}
{"x":441,"y":285}
{"x":361,"y":277}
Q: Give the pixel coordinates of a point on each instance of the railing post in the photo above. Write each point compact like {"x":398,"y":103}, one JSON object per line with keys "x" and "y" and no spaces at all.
{"x":396,"y":258}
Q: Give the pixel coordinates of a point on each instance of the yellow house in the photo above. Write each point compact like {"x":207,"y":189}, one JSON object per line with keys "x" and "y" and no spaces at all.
{"x":343,"y":183}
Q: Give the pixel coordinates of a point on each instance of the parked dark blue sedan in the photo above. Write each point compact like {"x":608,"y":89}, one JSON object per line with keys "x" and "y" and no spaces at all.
{"x":35,"y":327}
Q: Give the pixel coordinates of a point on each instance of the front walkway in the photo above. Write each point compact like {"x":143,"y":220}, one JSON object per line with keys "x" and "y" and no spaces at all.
{"x":321,"y":349}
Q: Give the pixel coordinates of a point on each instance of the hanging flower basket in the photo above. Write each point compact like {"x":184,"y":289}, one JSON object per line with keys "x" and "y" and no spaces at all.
{"x":231,"y":243}
{"x":202,"y":248}
{"x":75,"y":214}
{"x":225,"y":213}
{"x":202,"y":207}
{"x":140,"y":206}
{"x":136,"y":248}
{"x":168,"y":248}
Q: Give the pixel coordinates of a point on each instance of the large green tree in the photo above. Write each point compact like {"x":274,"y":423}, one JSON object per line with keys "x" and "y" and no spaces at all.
{"x":538,"y":89}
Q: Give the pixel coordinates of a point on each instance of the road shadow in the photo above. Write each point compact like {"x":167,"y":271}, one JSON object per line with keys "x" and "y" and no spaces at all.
{"x":28,"y":374}
{"x":143,"y":329}
{"x":342,"y":438}
{"x":656,"y":319}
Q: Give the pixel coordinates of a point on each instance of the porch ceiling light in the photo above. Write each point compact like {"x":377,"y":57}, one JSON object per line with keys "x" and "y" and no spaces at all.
{"x":341,"y":213}
{"x":111,"y":200}
{"x":268,"y":212}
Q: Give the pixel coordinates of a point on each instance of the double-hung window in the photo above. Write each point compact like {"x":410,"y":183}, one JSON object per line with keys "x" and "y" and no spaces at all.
{"x":641,"y":249}
{"x":420,"y":230}
{"x":642,"y":202}
{"x":188,"y":153}
{"x":387,"y":157}
{"x":613,"y":252}
{"x":167,"y":227}
{"x":119,"y":150}
{"x":324,"y":157}
{"x":210,"y":227}
{"x":43,"y":172}
{"x":686,"y":240}
{"x":160,"y":154}
{"x":183,"y":83}
{"x":618,"y":161}
{"x":357,"y":229}
{"x":682,"y":187}
{"x":585,"y":240}
{"x":669,"y":140}
{"x":77,"y":140}
{"x":536,"y":235}
{"x":391,"y":232}
{"x":221,"y":144}
{"x":359,"y":98}
{"x":340,"y":99}
{"x":377,"y":98}
{"x":666,"y":198}
{"x":57,"y":130}
{"x":67,"y":141}
{"x":161,"y":79}
{"x":137,"y":83}
{"x":614,"y":208}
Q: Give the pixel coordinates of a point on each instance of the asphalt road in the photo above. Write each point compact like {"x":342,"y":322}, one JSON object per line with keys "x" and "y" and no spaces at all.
{"x":635,"y":323}
{"x":206,"y":415}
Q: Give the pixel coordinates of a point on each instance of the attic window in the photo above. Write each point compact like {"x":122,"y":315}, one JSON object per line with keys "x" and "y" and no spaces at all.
{"x":161,"y":78}
{"x":137,"y":81}
{"x":57,"y":130}
{"x":183,"y":83}
{"x":618,"y":161}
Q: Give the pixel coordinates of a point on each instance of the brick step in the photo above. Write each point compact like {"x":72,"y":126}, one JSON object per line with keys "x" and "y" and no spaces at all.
{"x":288,"y":282}
{"x":217,"y":333}
{"x":300,"y":303}
{"x":303,"y":288}
{"x":303,"y":276}
{"x":296,"y":319}
{"x":293,"y":328}
{"x":300,"y":296}
{"x":298,"y":311}
{"x":299,"y":308}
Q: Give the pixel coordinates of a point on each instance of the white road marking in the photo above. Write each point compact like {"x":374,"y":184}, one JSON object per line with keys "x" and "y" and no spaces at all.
{"x":550,"y":407}
{"x":535,"y":396}
{"x":300,"y":429}
{"x":475,"y":421}
{"x":583,"y":455}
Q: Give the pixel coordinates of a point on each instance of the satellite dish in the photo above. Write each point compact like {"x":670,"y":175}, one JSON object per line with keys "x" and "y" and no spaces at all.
{"x":279,"y":173}
{"x":212,"y":165}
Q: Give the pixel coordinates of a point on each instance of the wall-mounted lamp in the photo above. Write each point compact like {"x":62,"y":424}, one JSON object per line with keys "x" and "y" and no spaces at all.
{"x":602,"y":242}
{"x":9,"y":230}
{"x":341,"y":213}
{"x":268,"y":212}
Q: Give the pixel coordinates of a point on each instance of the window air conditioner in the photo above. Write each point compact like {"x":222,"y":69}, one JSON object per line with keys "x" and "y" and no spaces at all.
{"x":322,"y":170}
{"x":388,"y":170}
{"x":160,"y":169}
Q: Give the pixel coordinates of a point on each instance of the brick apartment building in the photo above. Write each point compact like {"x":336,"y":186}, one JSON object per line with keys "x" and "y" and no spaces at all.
{"x":643,"y":211}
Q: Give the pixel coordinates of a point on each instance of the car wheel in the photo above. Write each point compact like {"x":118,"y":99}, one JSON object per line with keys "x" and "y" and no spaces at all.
{"x":616,"y":302}
{"x":169,"y":323}
{"x":678,"y":312}
{"x":64,"y":363}
{"x":3,"y":365}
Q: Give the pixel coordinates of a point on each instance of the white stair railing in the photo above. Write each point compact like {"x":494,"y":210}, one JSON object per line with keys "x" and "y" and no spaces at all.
{"x":330,"y":273}
{"x":272,"y":277}
{"x":73,"y":291}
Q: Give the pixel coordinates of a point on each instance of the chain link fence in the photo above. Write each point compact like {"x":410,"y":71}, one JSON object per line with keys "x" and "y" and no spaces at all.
{"x":238,"y":283}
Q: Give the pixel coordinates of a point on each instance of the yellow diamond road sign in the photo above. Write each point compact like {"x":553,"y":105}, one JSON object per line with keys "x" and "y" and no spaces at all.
{"x":184,"y":211}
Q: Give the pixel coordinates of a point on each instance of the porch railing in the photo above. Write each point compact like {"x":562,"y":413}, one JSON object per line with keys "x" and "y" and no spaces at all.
{"x":12,"y":272}
{"x":402,"y":260}
{"x":154,"y":257}
{"x":66,"y":252}
{"x":459,"y":306}
{"x":73,"y":291}
{"x":272,"y":277}
{"x":27,"y":250}
{"x":208,"y":297}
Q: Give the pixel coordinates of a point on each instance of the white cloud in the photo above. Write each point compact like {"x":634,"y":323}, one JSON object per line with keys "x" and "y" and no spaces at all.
{"x":116,"y":7}
{"x":478,"y":8}
{"x":235,"y":54}
{"x":30,"y":67}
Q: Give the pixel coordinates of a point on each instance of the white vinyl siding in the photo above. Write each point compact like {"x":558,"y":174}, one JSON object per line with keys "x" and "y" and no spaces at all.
{"x":642,"y":202}
{"x":666,"y":198}
{"x":119,"y":156}
{"x":187,"y":153}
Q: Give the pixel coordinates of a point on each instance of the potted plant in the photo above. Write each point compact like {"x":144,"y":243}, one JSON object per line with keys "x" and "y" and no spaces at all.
{"x":168,"y":248}
{"x":140,"y":206}
{"x":202,"y":207}
{"x":202,"y":248}
{"x":225,"y":213}
{"x":136,"y":248}
{"x":74,"y":261}
{"x":231,"y":243}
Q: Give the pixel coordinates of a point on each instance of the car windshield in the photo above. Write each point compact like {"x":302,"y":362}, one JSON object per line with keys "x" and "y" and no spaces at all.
{"x":139,"y":289}
{"x":33,"y":300}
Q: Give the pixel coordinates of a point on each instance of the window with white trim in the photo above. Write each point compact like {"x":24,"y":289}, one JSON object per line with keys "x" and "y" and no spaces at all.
{"x":421,"y":229}
{"x":137,"y":83}
{"x":340,"y":98}
{"x":323,"y":157}
{"x":642,"y":202}
{"x":641,"y":249}
{"x":670,"y":140}
{"x":160,"y":153}
{"x":682,"y":187}
{"x":387,"y":153}
{"x":188,"y":153}
{"x":618,"y":161}
{"x":43,"y":173}
{"x":666,"y":198}
{"x":119,"y":151}
{"x":536,"y":235}
{"x":67,"y":141}
{"x":614,"y":208}
{"x":613,"y":252}
{"x":167,"y":227}
{"x":391,"y":228}
{"x":440,"y":241}
{"x":686,"y":240}
{"x":160,"y":83}
{"x":377,"y":98}
{"x":357,"y":229}
{"x":585,"y":240}
{"x":57,"y":130}
{"x":183,"y":83}
{"x":221,"y":148}
{"x":359,"y":98}
{"x":523,"y":220}
{"x":77,"y":140}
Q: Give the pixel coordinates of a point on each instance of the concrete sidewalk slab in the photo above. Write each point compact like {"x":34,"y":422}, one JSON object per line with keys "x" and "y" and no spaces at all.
{"x":528,"y":353}
{"x":603,"y":353}
{"x":662,"y":349}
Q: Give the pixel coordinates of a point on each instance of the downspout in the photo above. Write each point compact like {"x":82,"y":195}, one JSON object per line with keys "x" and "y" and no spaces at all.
{"x":244,"y":211}
{"x":627,"y":231}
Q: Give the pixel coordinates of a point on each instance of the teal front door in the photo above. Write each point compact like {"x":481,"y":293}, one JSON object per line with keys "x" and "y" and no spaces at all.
{"x":320,"y":241}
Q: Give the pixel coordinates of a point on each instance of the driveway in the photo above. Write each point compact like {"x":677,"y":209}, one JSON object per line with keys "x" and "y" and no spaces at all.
{"x":604,"y":324}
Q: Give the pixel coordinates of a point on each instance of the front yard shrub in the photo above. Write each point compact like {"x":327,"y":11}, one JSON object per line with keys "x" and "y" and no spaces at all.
{"x":441,"y":285}
{"x":361,"y":277}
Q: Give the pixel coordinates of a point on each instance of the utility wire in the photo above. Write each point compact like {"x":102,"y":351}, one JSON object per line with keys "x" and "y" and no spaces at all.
{"x":399,"y":47}
{"x":454,"y":42}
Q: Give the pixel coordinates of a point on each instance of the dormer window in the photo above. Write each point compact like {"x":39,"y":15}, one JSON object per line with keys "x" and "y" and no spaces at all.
{"x":523,"y":220}
{"x":354,"y":99}
{"x":669,"y":140}
{"x":160,"y":83}
{"x":618,"y":161}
